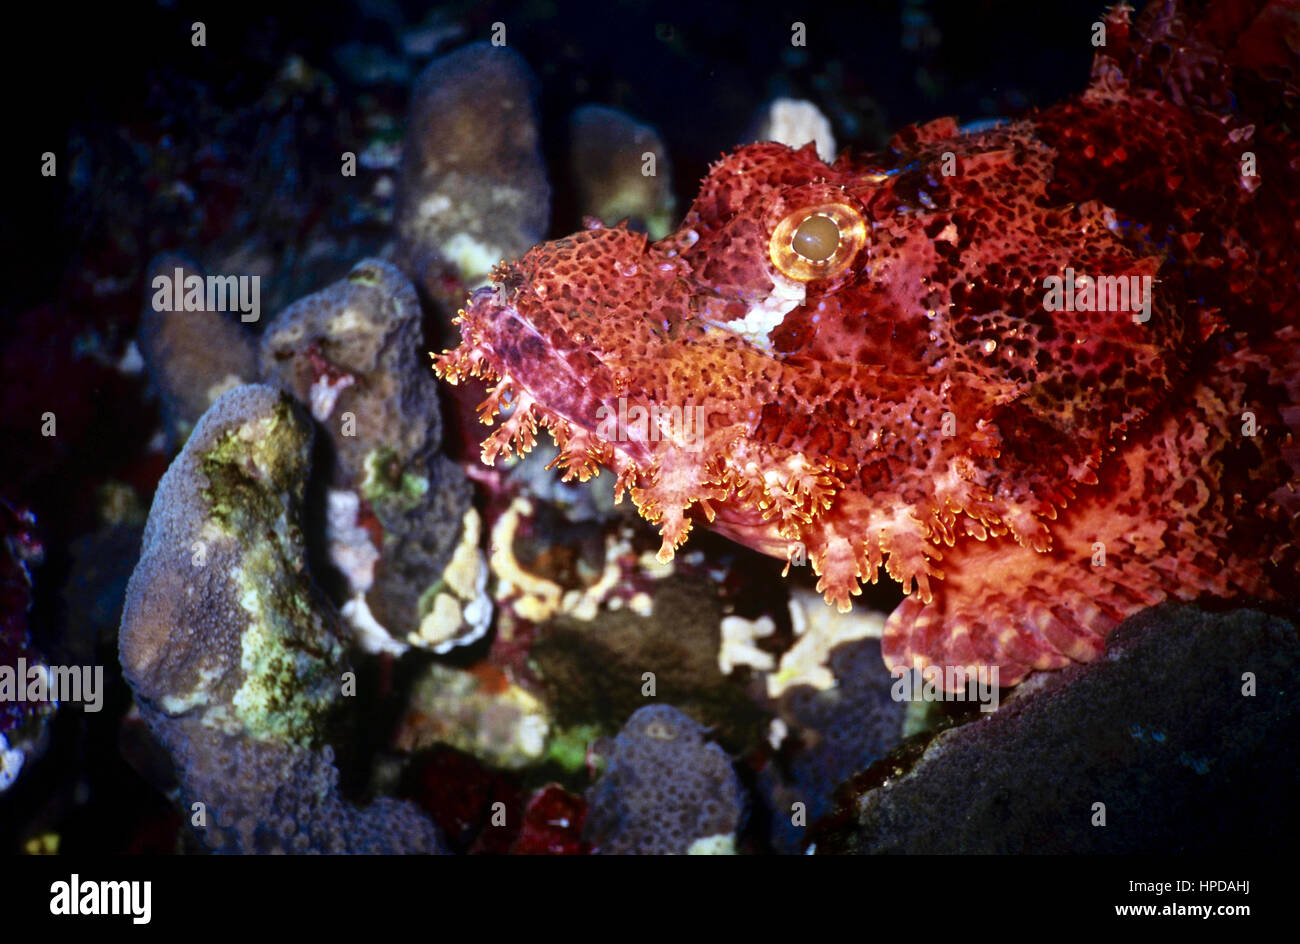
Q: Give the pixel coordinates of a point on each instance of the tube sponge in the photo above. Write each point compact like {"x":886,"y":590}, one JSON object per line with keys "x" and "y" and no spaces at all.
{"x":235,"y":657}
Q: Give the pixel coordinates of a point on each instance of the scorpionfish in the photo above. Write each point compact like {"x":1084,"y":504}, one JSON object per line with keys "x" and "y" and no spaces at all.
{"x":1044,"y":372}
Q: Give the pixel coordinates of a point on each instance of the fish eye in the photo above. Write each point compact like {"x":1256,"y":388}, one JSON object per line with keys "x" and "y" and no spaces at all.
{"x":817,"y":242}
{"x":816,"y":238}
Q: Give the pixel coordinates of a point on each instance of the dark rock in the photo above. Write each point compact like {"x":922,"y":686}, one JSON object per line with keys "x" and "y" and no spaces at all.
{"x":838,"y":732}
{"x":1160,"y":730}
{"x":592,"y":670}
{"x":665,"y":790}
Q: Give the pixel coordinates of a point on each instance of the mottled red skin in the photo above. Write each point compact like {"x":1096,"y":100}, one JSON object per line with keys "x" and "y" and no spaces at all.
{"x":1067,"y":433}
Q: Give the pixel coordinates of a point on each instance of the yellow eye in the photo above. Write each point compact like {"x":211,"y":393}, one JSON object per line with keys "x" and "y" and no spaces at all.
{"x":817,"y":242}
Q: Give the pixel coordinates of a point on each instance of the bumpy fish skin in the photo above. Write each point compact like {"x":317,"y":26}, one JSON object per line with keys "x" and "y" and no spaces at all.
{"x":953,"y":388}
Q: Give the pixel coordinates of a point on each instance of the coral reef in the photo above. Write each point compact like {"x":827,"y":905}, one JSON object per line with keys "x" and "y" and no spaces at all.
{"x":472,"y":189}
{"x":587,"y":621}
{"x":594,"y":669}
{"x":620,"y":170}
{"x":192,"y":355}
{"x":828,"y":735}
{"x":481,"y":713}
{"x":478,"y":810}
{"x":818,"y":631}
{"x":21,"y":548}
{"x":553,"y":822}
{"x":235,"y":657}
{"x":482,"y":811}
{"x":21,"y":721}
{"x":666,"y":790}
{"x":795,"y":123}
{"x":398,"y":509}
{"x":1178,"y":741}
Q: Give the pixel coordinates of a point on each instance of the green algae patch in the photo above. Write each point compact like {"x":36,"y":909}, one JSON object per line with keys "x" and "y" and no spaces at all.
{"x":288,"y":658}
{"x":251,"y":468}
{"x":568,"y":746}
{"x":363,"y":276}
{"x":387,"y":483}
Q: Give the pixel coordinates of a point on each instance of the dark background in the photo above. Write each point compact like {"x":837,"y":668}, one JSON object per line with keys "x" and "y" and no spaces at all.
{"x":696,"y":71}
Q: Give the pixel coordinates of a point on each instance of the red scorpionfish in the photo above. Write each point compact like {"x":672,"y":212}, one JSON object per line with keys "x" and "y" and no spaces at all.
{"x":1044,"y":374}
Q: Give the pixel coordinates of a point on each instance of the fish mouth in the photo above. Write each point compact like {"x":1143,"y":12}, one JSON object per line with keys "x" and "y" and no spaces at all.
{"x":497,"y":340}
{"x":747,"y":527}
{"x":539,"y":376}
{"x":539,"y":380}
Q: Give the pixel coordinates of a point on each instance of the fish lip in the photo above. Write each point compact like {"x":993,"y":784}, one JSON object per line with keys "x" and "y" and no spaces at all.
{"x":484,"y":308}
{"x":488,"y":330}
{"x":486,"y":301}
{"x":479,"y":294}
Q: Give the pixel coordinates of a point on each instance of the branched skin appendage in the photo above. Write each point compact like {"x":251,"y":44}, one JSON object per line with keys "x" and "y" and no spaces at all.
{"x":860,"y":362}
